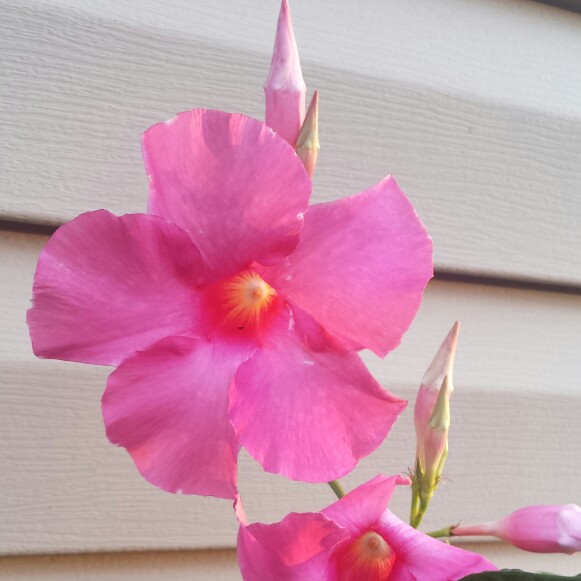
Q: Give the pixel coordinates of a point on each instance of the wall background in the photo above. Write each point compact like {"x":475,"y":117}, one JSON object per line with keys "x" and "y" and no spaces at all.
{"x":473,"y":106}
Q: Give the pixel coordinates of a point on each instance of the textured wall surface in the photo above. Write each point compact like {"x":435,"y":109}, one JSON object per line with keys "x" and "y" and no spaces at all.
{"x":203,"y":565}
{"x":473,"y":106}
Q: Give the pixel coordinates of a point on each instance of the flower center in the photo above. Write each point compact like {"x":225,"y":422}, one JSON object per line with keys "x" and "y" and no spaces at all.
{"x":244,"y":301}
{"x":247,"y":297}
{"x":368,"y":558}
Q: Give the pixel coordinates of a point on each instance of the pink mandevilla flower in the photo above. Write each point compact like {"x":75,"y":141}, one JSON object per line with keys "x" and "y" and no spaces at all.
{"x":355,"y":539}
{"x":539,"y":529}
{"x":233,"y":314}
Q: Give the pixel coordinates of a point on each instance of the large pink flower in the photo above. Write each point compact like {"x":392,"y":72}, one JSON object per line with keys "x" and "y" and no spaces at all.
{"x":231,"y":312}
{"x":355,"y":539}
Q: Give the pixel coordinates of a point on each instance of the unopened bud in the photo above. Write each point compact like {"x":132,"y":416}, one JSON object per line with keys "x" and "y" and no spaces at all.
{"x":435,"y":443}
{"x":539,"y":529}
{"x":308,"y":140}
{"x":432,"y":423}
{"x":285,"y":88}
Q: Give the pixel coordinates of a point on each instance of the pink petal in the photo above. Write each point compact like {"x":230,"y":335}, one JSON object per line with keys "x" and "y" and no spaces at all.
{"x":360,"y":268}
{"x":314,"y":335}
{"x":106,"y":286}
{"x":308,"y":415}
{"x":296,"y":549}
{"x":361,"y":509}
{"x":231,"y":182}
{"x":168,"y":407}
{"x":422,"y":557}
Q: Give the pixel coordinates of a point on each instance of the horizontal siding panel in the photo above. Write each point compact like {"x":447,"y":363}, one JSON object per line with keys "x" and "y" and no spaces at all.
{"x":218,"y":565}
{"x":482,"y":130}
{"x":158,"y":566}
{"x":498,"y":60}
{"x":65,"y":489}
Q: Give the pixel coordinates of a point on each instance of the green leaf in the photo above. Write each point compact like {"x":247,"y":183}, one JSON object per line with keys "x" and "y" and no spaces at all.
{"x":515,"y":575}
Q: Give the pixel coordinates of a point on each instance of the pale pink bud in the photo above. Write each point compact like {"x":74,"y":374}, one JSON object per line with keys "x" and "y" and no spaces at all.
{"x":308,"y":140}
{"x":432,"y":422}
{"x":432,"y":410}
{"x":435,"y":444}
{"x":285,"y":88}
{"x":540,"y":529}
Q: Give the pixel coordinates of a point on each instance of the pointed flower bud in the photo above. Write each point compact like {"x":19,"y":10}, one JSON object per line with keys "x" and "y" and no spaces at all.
{"x":285,"y":88}
{"x":435,"y":444}
{"x":540,"y":529}
{"x":308,"y":141}
{"x":432,"y":422}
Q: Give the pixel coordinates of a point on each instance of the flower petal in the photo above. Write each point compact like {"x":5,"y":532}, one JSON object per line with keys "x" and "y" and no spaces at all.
{"x":296,"y":549}
{"x":360,"y":268}
{"x":359,"y":510}
{"x":106,"y":286}
{"x":168,"y":407}
{"x":420,"y":556}
{"x":231,"y":182}
{"x":308,"y":415}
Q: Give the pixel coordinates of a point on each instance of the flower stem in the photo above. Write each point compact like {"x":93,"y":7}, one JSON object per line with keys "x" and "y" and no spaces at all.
{"x":415,"y":507}
{"x":337,"y":488}
{"x":424,"y":501}
{"x":445,"y":532}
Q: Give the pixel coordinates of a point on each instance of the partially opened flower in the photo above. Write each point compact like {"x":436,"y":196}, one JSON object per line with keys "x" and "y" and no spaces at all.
{"x":232,"y":313}
{"x":354,"y":539}
{"x":539,"y":529}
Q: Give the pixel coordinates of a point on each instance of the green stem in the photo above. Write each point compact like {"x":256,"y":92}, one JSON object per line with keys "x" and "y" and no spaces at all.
{"x":445,"y":532}
{"x":423,"y":507}
{"x":337,"y":488}
{"x":415,"y":506}
{"x":416,"y":521}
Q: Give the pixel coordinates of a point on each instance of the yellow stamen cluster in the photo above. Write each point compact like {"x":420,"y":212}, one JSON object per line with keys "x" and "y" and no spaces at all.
{"x":246,"y":298}
{"x":368,"y":558}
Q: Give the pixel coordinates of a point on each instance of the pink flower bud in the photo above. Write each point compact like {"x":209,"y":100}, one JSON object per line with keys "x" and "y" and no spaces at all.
{"x":432,"y":421}
{"x":539,"y":529}
{"x":285,"y":88}
{"x":432,"y":410}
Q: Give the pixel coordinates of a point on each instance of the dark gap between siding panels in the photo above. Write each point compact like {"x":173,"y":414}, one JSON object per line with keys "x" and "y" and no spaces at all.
{"x":572,"y":5}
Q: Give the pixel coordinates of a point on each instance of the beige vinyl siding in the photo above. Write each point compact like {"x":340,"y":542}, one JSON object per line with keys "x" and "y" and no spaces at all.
{"x":488,"y":145}
{"x":218,"y":565}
